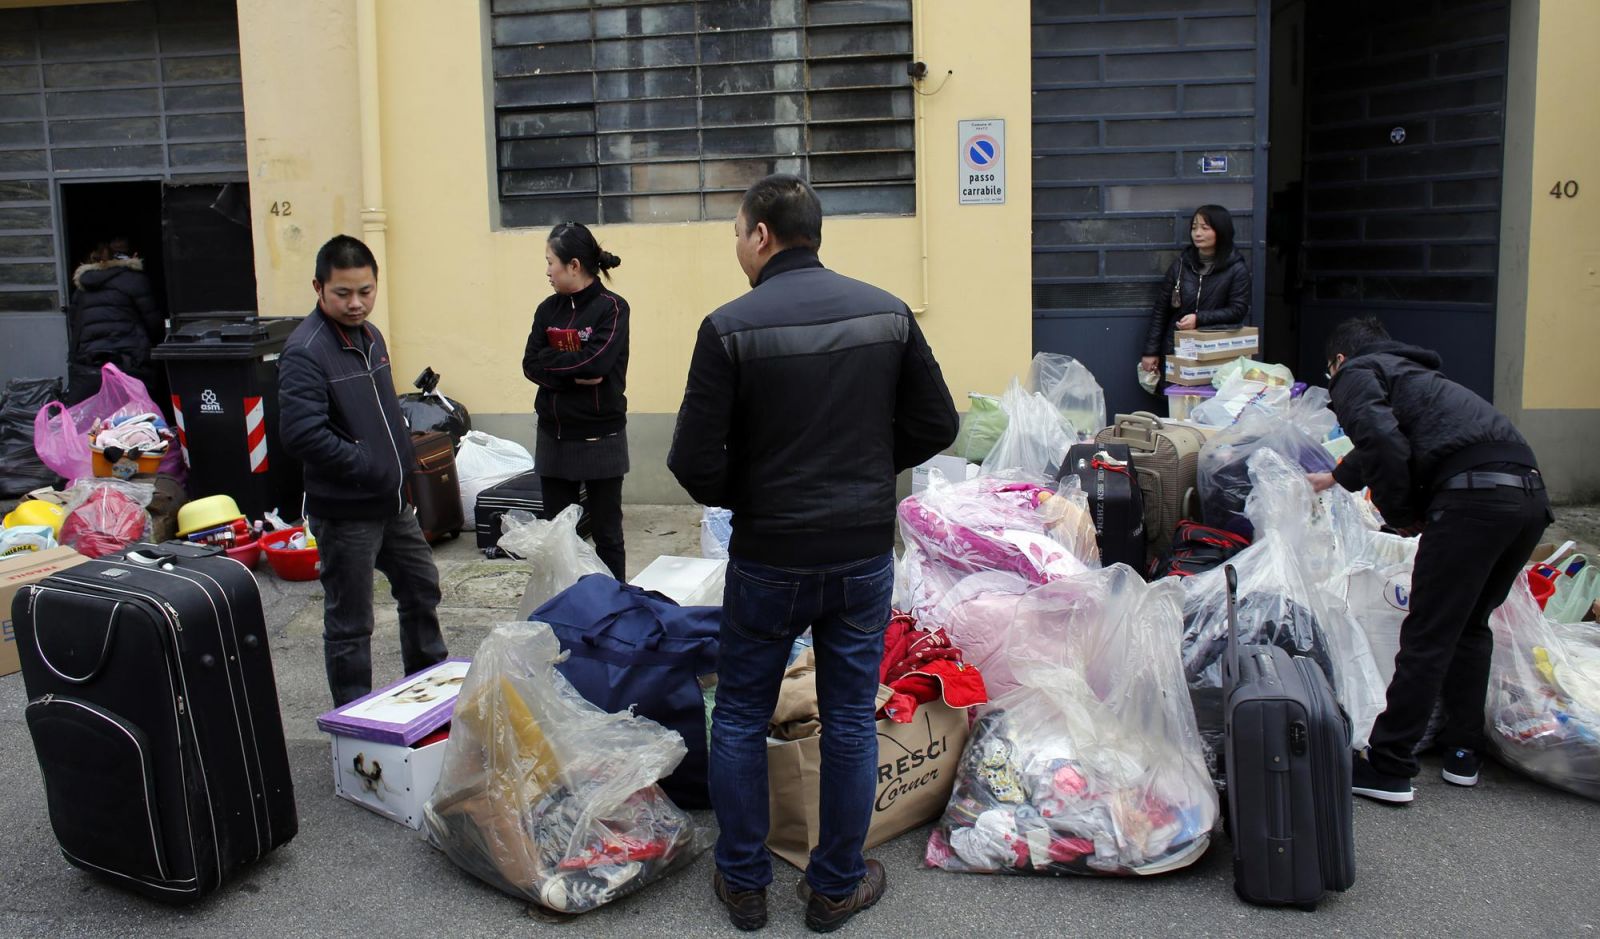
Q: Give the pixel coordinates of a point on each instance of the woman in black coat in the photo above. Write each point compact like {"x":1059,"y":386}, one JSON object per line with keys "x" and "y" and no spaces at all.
{"x":112,"y":318}
{"x":577,"y":354}
{"x":1208,"y":285}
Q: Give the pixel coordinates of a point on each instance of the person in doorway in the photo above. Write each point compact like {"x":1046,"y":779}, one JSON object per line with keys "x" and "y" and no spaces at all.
{"x":339,"y":415}
{"x":1207,"y":286}
{"x":1438,"y":458}
{"x":805,"y":397}
{"x":577,"y":354}
{"x":113,"y":317}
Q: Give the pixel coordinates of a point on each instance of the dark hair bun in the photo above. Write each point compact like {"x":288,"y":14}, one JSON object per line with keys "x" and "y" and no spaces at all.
{"x":609,"y":261}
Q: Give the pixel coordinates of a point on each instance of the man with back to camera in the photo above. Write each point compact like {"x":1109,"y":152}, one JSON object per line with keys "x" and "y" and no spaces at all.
{"x":1439,"y":457}
{"x":339,"y":415}
{"x":806,"y":396}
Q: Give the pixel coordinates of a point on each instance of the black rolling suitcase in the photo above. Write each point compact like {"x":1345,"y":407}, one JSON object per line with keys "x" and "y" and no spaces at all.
{"x":1287,"y":755}
{"x":519,"y":492}
{"x":154,"y":717}
{"x":1106,"y":473}
{"x":435,"y":490}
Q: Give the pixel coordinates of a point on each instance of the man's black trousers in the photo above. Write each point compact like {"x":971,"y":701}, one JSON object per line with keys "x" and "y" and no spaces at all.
{"x":1475,"y":543}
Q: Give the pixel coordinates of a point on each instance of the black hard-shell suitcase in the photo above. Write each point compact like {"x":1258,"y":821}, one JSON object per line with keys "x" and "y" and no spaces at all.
{"x":1287,"y":754}
{"x":1107,"y":475}
{"x":154,"y":717}
{"x":435,"y":490}
{"x":519,"y":492}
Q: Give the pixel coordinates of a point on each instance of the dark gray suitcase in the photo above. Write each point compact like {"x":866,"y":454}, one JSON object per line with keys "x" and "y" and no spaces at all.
{"x":524,"y":493}
{"x":1109,"y":480}
{"x":154,"y":716}
{"x":1287,"y":753}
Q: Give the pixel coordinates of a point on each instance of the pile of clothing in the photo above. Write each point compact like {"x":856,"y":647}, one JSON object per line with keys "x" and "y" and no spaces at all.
{"x":546,"y":796}
{"x":1544,"y":695}
{"x":1090,"y":764}
{"x":973,"y":548}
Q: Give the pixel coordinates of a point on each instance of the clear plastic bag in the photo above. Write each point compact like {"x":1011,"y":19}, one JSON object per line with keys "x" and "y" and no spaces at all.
{"x":973,"y":547}
{"x":1543,"y":715}
{"x":1071,"y":387}
{"x":1036,"y":438}
{"x":546,"y":796}
{"x":484,"y":460}
{"x":557,"y":556}
{"x":1284,"y":599}
{"x":106,"y":515}
{"x":1091,"y":763}
{"x":1251,"y":370}
{"x":1223,"y":476}
{"x":61,"y":433}
{"x":1236,"y":397}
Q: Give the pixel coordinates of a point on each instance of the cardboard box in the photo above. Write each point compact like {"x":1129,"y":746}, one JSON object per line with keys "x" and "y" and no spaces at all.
{"x":916,"y":771}
{"x":377,"y":761}
{"x":1214,"y":345}
{"x":955,"y":469}
{"x":18,"y":571}
{"x":688,"y":581}
{"x":1187,"y":371}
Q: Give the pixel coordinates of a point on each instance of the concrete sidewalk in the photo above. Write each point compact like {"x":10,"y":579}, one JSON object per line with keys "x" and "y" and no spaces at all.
{"x":1510,"y":857}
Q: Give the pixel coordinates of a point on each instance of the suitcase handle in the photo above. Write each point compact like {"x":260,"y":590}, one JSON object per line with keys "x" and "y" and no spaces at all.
{"x":1140,"y":425}
{"x":1230,"y":660}
{"x":152,"y":555}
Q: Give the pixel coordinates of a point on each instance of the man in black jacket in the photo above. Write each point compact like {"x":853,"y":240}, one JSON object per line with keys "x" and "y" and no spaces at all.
{"x":806,"y":396}
{"x":1436,"y":457}
{"x":339,"y":414}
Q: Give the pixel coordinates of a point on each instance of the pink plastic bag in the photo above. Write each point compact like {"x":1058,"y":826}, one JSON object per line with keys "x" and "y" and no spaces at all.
{"x":61,"y":434}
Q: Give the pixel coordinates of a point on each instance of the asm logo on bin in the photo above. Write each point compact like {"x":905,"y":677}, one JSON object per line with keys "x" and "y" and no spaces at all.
{"x":209,"y":403}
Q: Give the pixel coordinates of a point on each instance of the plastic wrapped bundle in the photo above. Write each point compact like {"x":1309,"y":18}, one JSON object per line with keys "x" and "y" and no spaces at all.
{"x":1071,"y":387}
{"x":1543,"y":715}
{"x":1035,"y":439}
{"x":1284,"y":599}
{"x":1223,"y":476}
{"x":991,"y":523}
{"x":546,"y":796}
{"x":104,"y":516}
{"x":1091,"y":764}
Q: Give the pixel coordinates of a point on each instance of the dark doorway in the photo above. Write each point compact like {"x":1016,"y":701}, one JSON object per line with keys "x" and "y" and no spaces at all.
{"x":1387,"y":125}
{"x":94,"y":213}
{"x":194,"y":239}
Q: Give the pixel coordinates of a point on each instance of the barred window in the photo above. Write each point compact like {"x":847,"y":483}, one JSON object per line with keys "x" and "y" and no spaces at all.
{"x":652,"y":111}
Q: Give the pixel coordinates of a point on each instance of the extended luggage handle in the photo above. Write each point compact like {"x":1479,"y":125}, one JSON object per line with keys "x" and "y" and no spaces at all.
{"x":1230,"y":659}
{"x":1140,"y":425}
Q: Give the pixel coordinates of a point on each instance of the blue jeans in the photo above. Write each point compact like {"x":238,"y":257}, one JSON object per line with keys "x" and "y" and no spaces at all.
{"x":764,"y":609}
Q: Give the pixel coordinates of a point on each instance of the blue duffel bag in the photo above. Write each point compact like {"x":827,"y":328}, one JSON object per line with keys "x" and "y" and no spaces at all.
{"x":634,"y":647}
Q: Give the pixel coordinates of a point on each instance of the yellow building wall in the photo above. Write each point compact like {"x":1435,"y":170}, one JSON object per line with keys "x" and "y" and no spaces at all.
{"x":297,"y":61}
{"x":461,"y":295}
{"x":1563,"y":326}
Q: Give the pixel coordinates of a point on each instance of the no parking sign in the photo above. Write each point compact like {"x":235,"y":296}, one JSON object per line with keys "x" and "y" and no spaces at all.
{"x":982,"y":162}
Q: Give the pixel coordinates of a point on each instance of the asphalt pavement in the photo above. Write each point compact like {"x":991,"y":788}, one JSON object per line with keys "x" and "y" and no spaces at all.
{"x":1510,"y":857}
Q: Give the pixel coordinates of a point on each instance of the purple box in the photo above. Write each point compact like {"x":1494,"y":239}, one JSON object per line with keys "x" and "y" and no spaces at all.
{"x":404,"y":712}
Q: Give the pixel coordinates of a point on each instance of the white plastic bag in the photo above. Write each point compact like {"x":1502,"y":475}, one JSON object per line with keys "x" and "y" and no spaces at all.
{"x":485,"y":460}
{"x":546,"y":796}
{"x":1544,"y":695}
{"x":1233,"y":398}
{"x":1035,"y":440}
{"x":1091,"y":763}
{"x":1251,"y":370}
{"x":716,"y":530}
{"x":1071,"y":387}
{"x":552,"y":549}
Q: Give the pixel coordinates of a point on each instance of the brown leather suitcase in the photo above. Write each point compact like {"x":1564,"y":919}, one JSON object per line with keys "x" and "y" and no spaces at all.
{"x":1166,"y":457}
{"x":435,"y":490}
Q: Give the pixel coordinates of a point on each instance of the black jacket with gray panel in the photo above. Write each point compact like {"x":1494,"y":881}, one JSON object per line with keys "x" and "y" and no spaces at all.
{"x":806,"y":396}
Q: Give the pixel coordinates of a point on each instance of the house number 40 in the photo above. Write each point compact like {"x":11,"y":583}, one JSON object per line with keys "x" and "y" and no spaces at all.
{"x":1565,"y":189}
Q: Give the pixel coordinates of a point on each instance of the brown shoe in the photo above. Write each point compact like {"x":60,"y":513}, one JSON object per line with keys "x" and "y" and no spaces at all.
{"x":824,"y":914}
{"x":747,"y":909}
